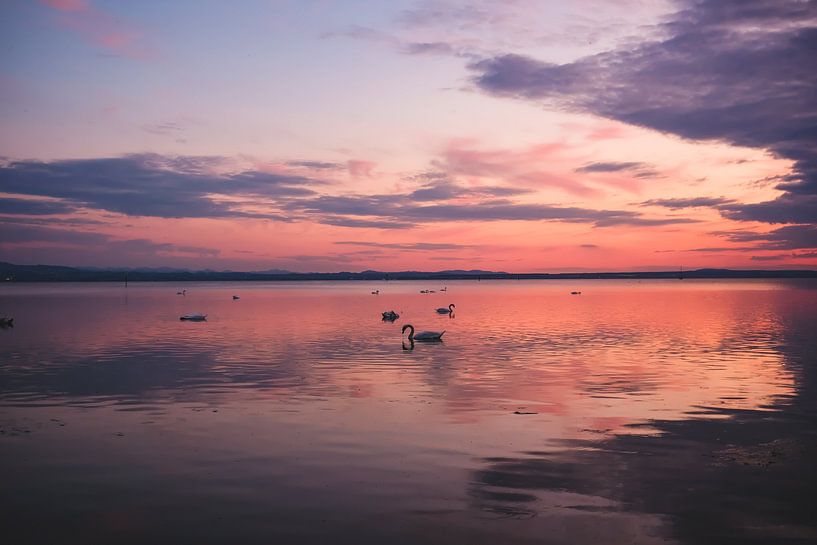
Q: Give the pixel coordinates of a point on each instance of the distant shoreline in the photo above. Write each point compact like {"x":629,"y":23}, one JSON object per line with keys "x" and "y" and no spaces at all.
{"x":10,"y":273}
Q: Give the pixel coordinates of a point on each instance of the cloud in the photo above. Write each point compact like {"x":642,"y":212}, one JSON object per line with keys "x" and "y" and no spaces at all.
{"x":359,"y":167}
{"x":341,"y":221}
{"x":740,"y":71}
{"x":611,"y":167}
{"x":403,"y":210}
{"x":197,"y":187}
{"x":790,"y":237}
{"x":633,"y":169}
{"x":429,"y":48}
{"x":67,"y":5}
{"x":788,"y":208}
{"x":110,"y":33}
{"x":31,"y":207}
{"x":69,"y":245}
{"x":168,"y":128}
{"x":694,"y":202}
{"x":784,"y":257}
{"x":16,"y":234}
{"x":444,"y":189}
{"x":409,"y":246}
{"x":529,"y":167}
{"x":316,"y":165}
{"x":154,"y":185}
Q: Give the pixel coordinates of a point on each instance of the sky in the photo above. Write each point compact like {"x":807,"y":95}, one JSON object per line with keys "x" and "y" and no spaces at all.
{"x":318,"y":135}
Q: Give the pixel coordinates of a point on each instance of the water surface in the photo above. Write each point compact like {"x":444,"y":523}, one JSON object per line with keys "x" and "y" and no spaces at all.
{"x":636,"y":412}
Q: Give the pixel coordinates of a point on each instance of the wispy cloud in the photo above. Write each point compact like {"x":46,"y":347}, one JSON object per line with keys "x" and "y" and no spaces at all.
{"x":693,"y":202}
{"x":199,"y":187}
{"x":34,"y":207}
{"x":409,"y":246}
{"x":154,"y":185}
{"x":526,"y":167}
{"x":16,"y":236}
{"x":107,"y":32}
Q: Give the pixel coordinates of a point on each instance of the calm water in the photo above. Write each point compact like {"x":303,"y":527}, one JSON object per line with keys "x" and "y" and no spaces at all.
{"x":637,"y":412}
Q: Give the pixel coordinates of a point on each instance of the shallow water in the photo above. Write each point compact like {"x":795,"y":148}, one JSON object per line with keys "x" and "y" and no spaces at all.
{"x":636,"y":412}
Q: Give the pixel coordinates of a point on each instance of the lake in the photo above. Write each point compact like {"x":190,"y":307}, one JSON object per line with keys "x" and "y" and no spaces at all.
{"x":636,"y":412}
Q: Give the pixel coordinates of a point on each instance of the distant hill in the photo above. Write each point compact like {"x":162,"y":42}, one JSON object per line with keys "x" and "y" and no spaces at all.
{"x":52,"y":273}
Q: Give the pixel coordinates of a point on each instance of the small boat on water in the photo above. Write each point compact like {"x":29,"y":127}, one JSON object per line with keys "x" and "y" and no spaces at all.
{"x":194,"y":317}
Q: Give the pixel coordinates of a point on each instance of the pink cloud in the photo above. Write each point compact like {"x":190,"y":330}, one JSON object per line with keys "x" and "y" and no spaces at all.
{"x":630,"y":185}
{"x":359,"y":167}
{"x":532,"y":166}
{"x":99,"y":28}
{"x":67,"y":5}
{"x":597,"y":132}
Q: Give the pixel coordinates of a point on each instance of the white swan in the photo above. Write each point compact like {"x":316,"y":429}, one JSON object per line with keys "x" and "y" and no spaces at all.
{"x":444,"y":310}
{"x":423,"y":335}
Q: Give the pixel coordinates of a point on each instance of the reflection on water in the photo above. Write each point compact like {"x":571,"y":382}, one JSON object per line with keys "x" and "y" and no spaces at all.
{"x":638,"y":412}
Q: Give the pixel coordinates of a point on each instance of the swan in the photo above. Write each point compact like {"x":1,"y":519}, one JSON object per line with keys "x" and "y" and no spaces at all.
{"x":390,"y":315}
{"x":183,"y":292}
{"x":376,"y":292}
{"x":444,"y":310}
{"x":236,"y":297}
{"x":423,"y":335}
{"x":196,"y":317}
{"x":575,"y":293}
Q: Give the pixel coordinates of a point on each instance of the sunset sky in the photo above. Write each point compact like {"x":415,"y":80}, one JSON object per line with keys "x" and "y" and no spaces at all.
{"x":519,"y":136}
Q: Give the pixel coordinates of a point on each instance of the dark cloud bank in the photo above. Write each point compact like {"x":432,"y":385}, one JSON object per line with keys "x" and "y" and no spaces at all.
{"x":739,"y":71}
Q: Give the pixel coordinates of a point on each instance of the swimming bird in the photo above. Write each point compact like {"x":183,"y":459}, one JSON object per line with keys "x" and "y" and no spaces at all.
{"x":422,"y":335}
{"x":236,"y":297}
{"x":444,"y":289}
{"x":575,"y":293}
{"x":195,"y":317}
{"x":443,"y":310}
{"x":390,"y":316}
{"x":6,"y":322}
{"x":181,"y":292}
{"x":376,"y":292}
